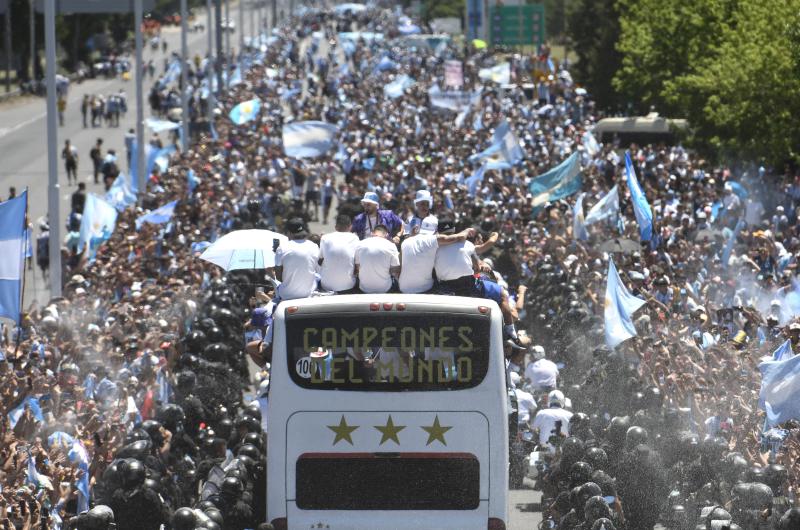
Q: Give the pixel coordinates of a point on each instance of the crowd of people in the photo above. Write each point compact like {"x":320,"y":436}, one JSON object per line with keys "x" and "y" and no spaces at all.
{"x":130,"y":397}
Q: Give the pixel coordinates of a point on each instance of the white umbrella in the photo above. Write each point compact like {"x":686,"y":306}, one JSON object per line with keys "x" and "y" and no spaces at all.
{"x":244,"y":249}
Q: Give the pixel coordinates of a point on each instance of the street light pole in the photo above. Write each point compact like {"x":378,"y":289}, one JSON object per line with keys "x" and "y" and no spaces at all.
{"x":218,"y":25}
{"x":140,"y":164}
{"x":33,"y":39}
{"x":184,"y":76}
{"x":7,"y":18}
{"x":210,"y":69}
{"x":241,"y":26}
{"x":252,"y":24}
{"x":227,"y":45}
{"x":53,"y":199}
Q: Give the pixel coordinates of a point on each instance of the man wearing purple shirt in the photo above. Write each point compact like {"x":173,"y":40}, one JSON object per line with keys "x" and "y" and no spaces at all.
{"x":365,"y":223}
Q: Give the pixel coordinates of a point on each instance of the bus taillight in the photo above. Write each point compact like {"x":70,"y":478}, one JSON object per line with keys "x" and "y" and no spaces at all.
{"x":494,"y":524}
{"x":374,"y":306}
{"x":401,"y":306}
{"x":387,"y":306}
{"x":292,"y":310}
{"x":483,"y":310}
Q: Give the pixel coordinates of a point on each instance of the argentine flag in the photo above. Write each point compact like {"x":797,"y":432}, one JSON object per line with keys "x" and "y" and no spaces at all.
{"x":308,"y":139}
{"x":620,"y":305}
{"x":245,"y":111}
{"x":644,"y":215}
{"x":561,"y":181}
{"x":97,"y":224}
{"x":500,"y":74}
{"x":12,"y":254}
{"x":158,"y":216}
{"x":780,"y":387}
{"x":605,"y":208}
{"x":784,"y":351}
{"x":121,"y":194}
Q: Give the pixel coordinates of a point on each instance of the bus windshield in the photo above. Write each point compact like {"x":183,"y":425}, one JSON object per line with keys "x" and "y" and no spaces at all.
{"x":388,"y":352}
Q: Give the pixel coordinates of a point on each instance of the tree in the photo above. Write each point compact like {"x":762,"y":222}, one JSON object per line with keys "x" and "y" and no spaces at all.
{"x":593,"y":27}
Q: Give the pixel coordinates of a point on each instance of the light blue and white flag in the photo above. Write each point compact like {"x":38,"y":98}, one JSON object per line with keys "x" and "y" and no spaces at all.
{"x":505,"y":150}
{"x":162,"y":156}
{"x":97,"y":225}
{"x":16,"y":414}
{"x":149,"y":157}
{"x":561,"y":181}
{"x":475,"y":180}
{"x":644,"y":215}
{"x":191,"y":181}
{"x":783,"y":352}
{"x":245,"y":111}
{"x":158,"y":216}
{"x":172,"y":74}
{"x":728,"y":250}
{"x":60,"y":439}
{"x":121,"y":194}
{"x":32,"y":476}
{"x":579,"y":231}
{"x":79,"y":455}
{"x":13,"y":246}
{"x":477,"y":121}
{"x":236,"y":77}
{"x":605,"y":208}
{"x":780,"y":389}
{"x":158,"y":126}
{"x":165,"y":392}
{"x":620,"y":305}
{"x":396,"y":88}
{"x":590,"y":143}
{"x":500,"y":74}
{"x":308,"y":139}
{"x":385,"y":64}
{"x":454,"y":100}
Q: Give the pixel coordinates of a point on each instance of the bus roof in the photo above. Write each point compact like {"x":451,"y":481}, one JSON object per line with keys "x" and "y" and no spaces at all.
{"x":367,"y":303}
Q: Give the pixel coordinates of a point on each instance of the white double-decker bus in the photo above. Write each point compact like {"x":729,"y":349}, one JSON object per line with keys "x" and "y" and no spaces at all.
{"x":387,"y":411}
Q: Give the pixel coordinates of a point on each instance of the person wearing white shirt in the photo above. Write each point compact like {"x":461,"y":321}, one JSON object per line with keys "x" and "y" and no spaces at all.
{"x":418,"y":257}
{"x":422,"y":221}
{"x":547,"y":420}
{"x":526,"y":405}
{"x":337,"y":256}
{"x":297,"y":263}
{"x":376,"y":262}
{"x":542,"y":374}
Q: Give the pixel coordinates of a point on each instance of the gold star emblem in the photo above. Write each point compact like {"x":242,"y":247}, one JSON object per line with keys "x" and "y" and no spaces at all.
{"x":389,"y":431}
{"x":436,"y":431}
{"x":343,"y":431}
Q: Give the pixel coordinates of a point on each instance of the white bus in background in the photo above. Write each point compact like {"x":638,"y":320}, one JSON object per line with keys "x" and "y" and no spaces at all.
{"x":388,"y":411}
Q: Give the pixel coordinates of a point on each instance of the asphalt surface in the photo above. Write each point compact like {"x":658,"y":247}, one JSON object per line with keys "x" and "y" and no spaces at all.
{"x":23,"y":136}
{"x":23,"y":148}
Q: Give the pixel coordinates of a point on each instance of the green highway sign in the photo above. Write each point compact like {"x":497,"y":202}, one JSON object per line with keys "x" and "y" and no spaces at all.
{"x":517,"y":25}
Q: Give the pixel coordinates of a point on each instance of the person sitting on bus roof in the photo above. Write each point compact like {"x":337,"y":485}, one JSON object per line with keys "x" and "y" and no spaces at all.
{"x":418,"y":257}
{"x":296,"y":263}
{"x":456,"y":266}
{"x":365,"y":223}
{"x":377,"y":262}
{"x":337,"y":257}
{"x":422,"y":221}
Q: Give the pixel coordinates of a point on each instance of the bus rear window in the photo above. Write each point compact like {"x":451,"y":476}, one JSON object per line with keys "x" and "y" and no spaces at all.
{"x":388,"y":351}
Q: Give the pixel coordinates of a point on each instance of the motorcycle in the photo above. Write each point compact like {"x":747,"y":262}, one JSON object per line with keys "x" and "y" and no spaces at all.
{"x":519,"y":454}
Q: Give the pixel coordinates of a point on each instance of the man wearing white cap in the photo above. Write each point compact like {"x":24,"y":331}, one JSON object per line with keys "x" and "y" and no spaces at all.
{"x":422,"y":218}
{"x":542,"y":373}
{"x":364,"y":223}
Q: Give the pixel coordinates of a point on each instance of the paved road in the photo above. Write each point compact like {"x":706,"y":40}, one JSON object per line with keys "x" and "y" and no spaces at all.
{"x":23,"y":136}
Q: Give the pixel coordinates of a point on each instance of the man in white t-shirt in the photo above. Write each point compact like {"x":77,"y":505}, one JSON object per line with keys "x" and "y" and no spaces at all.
{"x":418,"y":257}
{"x":377,"y":261}
{"x":546,"y":420}
{"x":422,"y":221}
{"x":526,"y":405}
{"x":297,"y":263}
{"x":337,"y":256}
{"x":542,"y":373}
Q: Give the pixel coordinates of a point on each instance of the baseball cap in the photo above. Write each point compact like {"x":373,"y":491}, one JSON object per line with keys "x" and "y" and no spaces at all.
{"x":447,"y":225}
{"x":260,"y":317}
{"x":555,"y":397}
{"x":429,"y":225}
{"x":371,"y":197}
{"x":296,"y":227}
{"x":423,"y":195}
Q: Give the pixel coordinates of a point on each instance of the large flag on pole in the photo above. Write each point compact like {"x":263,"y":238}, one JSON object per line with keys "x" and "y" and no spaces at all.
{"x":620,"y":305}
{"x":245,"y":111}
{"x":308,"y":139}
{"x":644,"y":215}
{"x":12,"y":254}
{"x":561,"y":181}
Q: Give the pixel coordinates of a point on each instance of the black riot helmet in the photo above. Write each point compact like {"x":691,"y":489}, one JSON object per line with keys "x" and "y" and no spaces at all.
{"x":215,"y":334}
{"x":224,"y":427}
{"x":214,"y":514}
{"x":775,"y":476}
{"x":196,"y":341}
{"x":571,"y":449}
{"x":216,"y":352}
{"x":635,"y":436}
{"x":596,"y":508}
{"x":183,"y":519}
{"x":186,"y":381}
{"x":133,"y":474}
{"x":254,"y":409}
{"x":597,"y":458}
{"x":579,"y":426}
{"x":153,"y":430}
{"x":617,"y":430}
{"x":172,"y":417}
{"x":101,"y":517}
{"x":603,"y":524}
{"x":255,"y":439}
{"x":231,"y":488}
{"x":790,"y":520}
{"x":138,"y":450}
{"x":249,"y":450}
{"x":580,"y":473}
